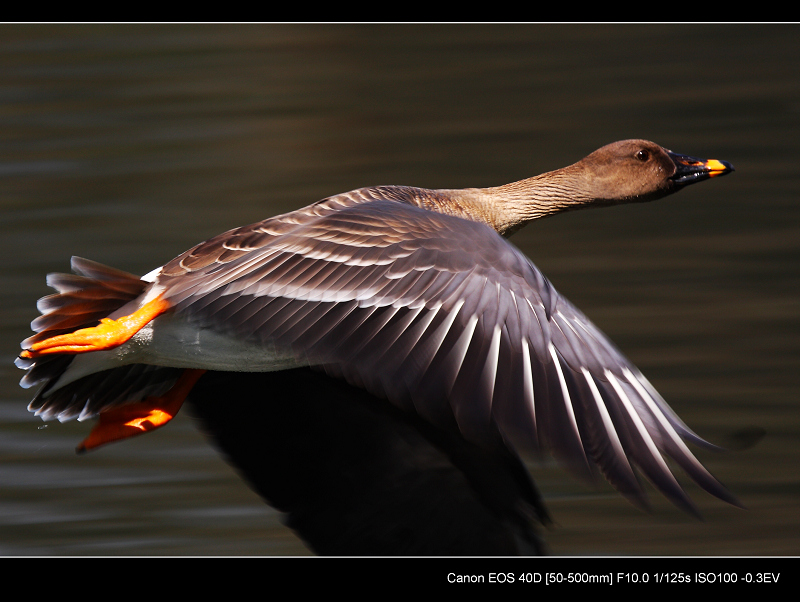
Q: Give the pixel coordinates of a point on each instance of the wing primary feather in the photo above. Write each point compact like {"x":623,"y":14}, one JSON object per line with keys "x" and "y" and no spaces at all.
{"x":432,"y":395}
{"x":618,"y":469}
{"x":651,"y":460}
{"x":566,"y":399}
{"x":677,"y":448}
{"x":530,"y":397}
{"x":473,"y":407}
{"x":673,"y":418}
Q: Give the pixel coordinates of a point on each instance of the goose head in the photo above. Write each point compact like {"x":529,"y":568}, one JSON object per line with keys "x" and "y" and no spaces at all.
{"x":639,"y":170}
{"x":627,"y":171}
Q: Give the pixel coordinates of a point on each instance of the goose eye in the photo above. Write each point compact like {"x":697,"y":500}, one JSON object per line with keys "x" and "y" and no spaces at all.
{"x":643,"y":155}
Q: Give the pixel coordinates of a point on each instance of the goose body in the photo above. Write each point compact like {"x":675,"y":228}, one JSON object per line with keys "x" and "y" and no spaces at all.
{"x":402,"y":294}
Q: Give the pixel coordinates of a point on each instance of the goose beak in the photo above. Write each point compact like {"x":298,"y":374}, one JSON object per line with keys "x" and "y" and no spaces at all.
{"x":689,"y":170}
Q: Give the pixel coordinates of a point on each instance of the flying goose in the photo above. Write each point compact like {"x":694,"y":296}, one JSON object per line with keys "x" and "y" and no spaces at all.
{"x":399,"y":301}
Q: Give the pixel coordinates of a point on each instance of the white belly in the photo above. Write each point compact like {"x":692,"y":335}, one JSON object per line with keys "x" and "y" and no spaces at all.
{"x":174,"y":342}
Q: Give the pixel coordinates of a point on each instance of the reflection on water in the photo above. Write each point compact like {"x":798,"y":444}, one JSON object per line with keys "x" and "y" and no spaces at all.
{"x":128,"y":144}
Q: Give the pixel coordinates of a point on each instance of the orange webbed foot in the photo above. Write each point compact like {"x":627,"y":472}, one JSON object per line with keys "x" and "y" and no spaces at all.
{"x":142,"y":417}
{"x":107,"y":335}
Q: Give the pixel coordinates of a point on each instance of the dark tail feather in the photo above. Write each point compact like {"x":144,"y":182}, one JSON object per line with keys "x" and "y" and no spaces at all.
{"x":81,"y":300}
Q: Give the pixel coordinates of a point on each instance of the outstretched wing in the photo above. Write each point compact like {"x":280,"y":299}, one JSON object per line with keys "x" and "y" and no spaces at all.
{"x":444,"y":317}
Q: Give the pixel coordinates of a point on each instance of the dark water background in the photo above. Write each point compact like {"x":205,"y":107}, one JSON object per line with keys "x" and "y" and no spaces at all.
{"x":128,"y":144}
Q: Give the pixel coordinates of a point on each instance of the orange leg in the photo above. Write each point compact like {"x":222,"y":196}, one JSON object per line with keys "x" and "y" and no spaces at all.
{"x":142,"y":417}
{"x":107,"y":335}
